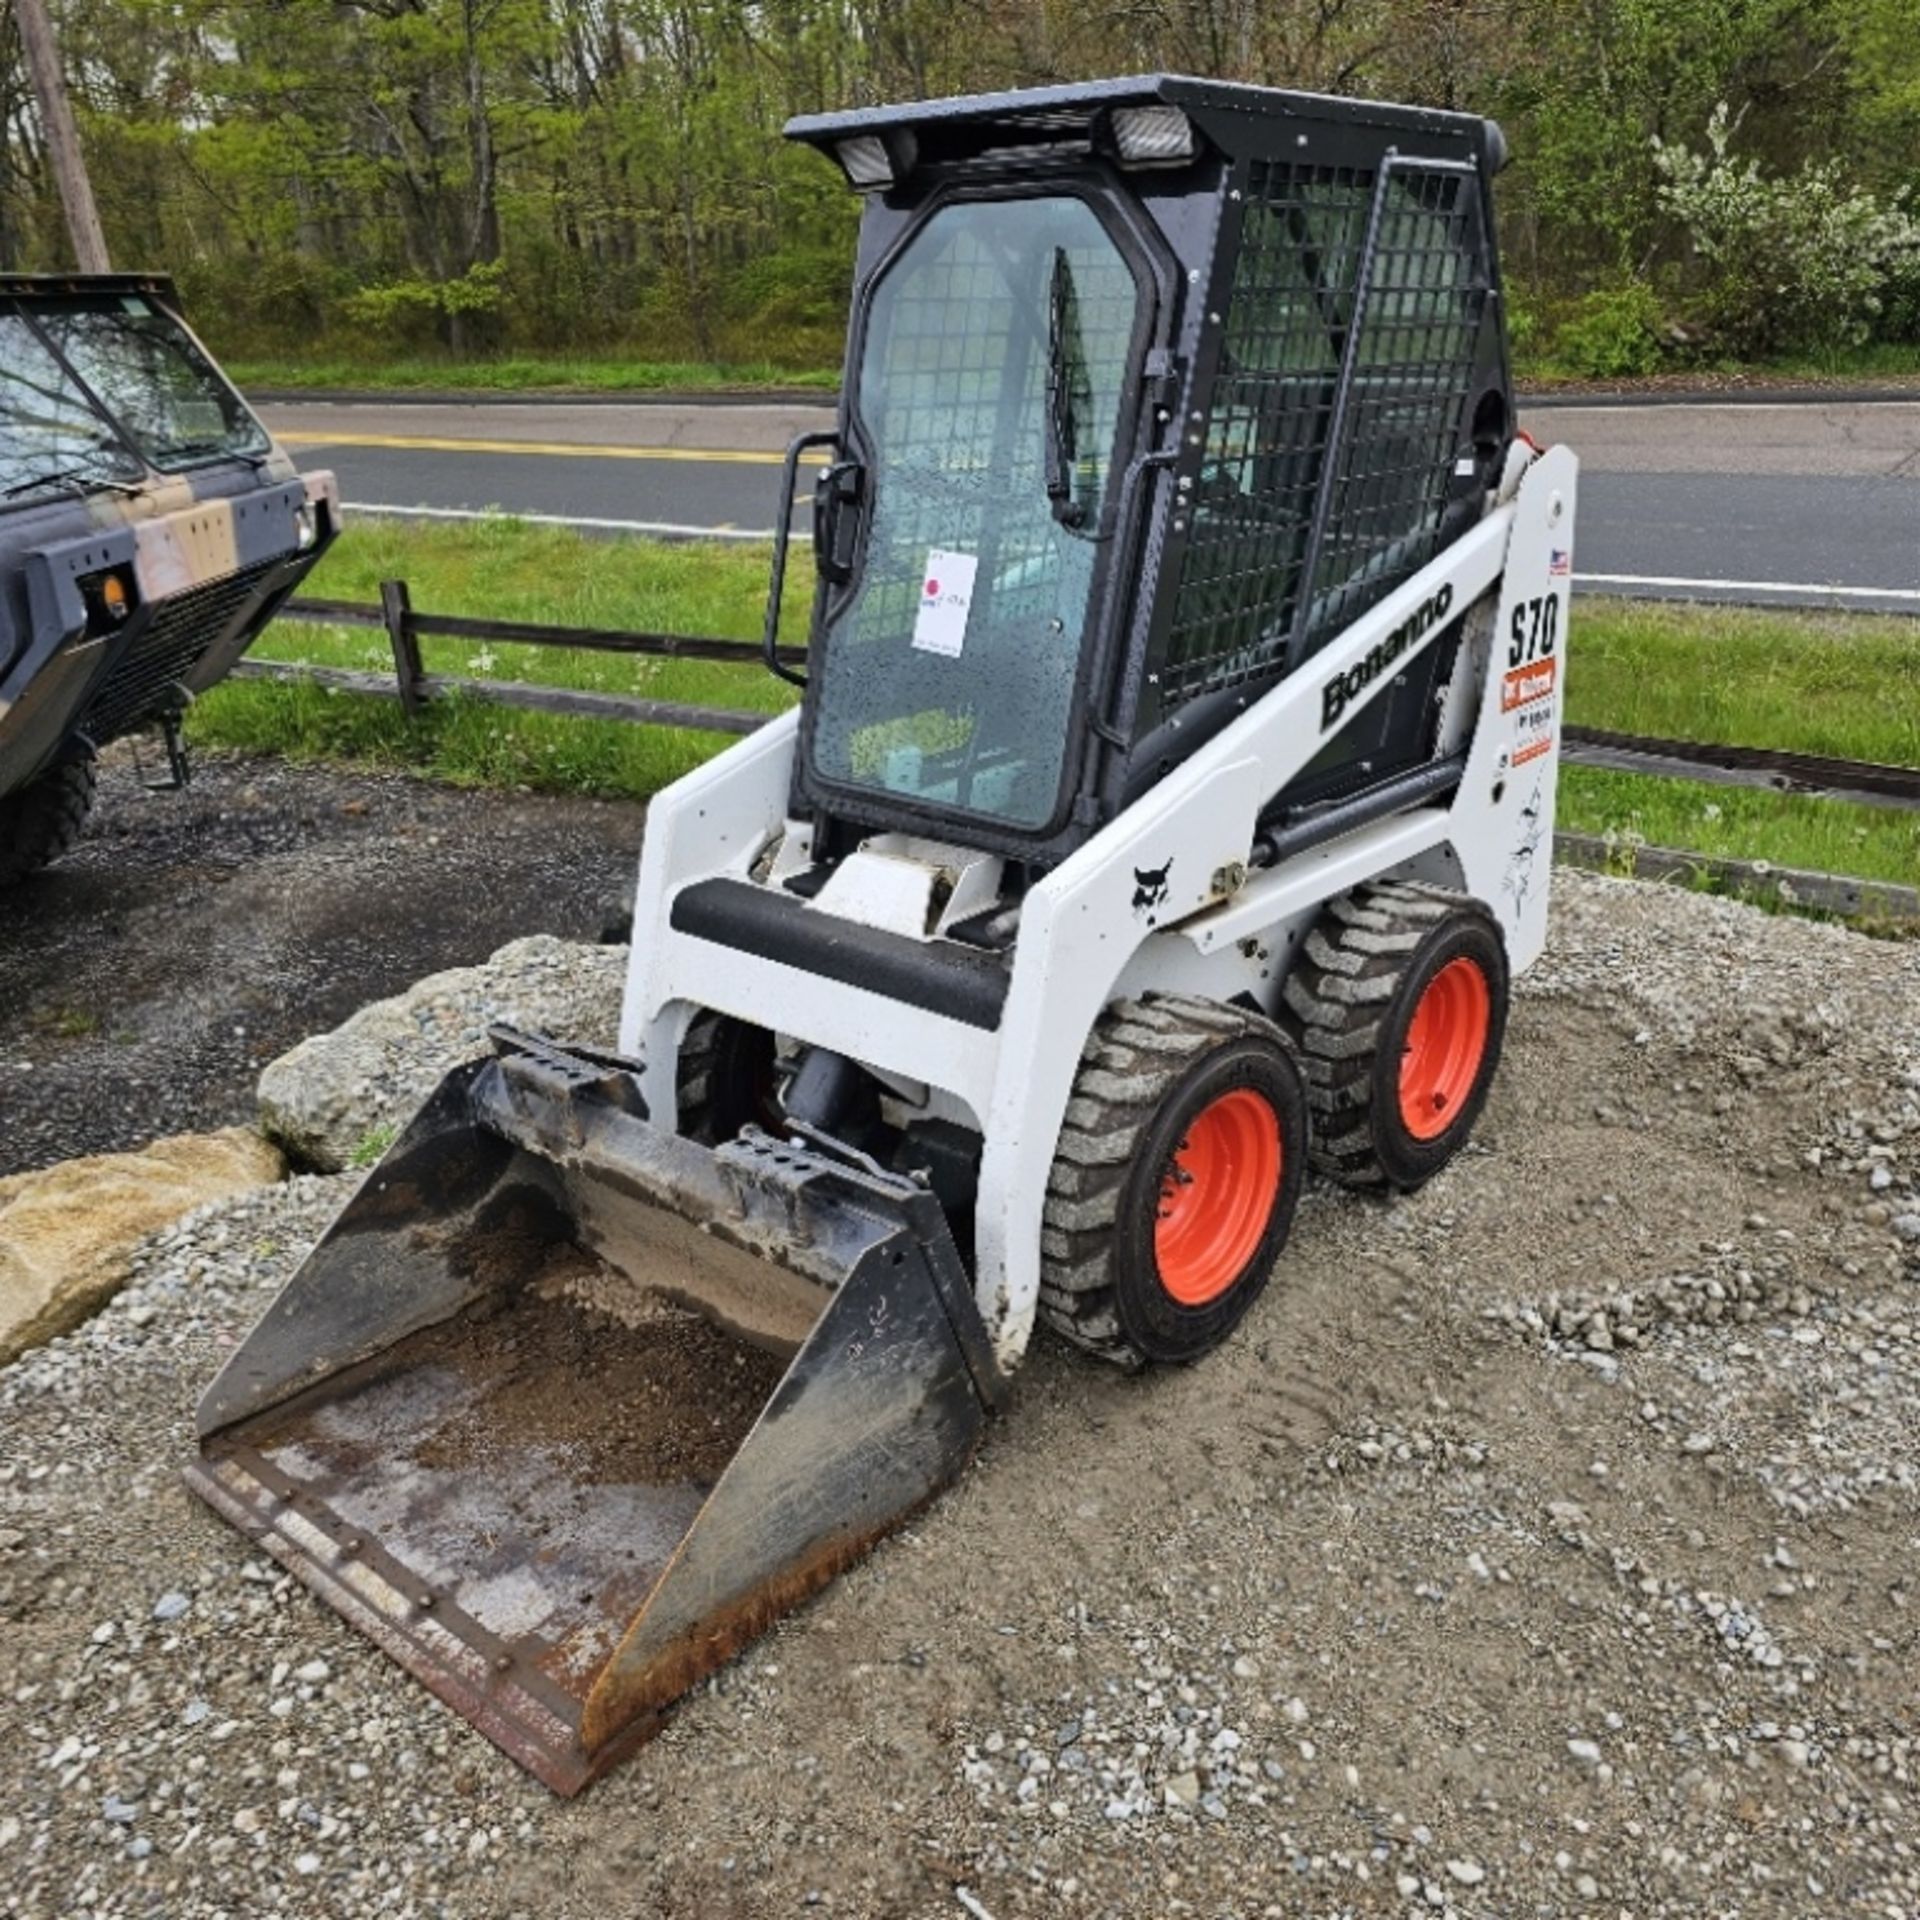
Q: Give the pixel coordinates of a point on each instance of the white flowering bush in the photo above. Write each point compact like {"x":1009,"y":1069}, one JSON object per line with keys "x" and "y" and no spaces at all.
{"x":1797,"y":260}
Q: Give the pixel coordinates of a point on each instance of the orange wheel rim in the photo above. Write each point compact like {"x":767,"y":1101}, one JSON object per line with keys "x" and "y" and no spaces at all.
{"x":1216,"y":1197}
{"x":1445,"y":1045}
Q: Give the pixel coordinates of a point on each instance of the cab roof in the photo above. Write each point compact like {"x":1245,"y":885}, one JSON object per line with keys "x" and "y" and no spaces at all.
{"x":64,"y":286}
{"x":1235,"y":118}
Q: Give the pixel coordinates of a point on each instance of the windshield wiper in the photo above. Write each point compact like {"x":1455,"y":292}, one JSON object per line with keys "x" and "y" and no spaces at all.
{"x":1060,"y":448}
{"x":255,"y":457}
{"x":80,"y":479}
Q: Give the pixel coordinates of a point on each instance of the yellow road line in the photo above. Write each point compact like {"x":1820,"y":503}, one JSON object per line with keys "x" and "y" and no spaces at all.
{"x":553,"y":449}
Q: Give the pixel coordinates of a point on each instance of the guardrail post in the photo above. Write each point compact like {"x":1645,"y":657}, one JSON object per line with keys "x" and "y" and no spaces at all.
{"x":397,"y":608}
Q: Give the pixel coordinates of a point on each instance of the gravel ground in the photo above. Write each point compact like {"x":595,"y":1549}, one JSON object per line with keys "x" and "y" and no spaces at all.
{"x":1545,"y":1544}
{"x":192,"y":937}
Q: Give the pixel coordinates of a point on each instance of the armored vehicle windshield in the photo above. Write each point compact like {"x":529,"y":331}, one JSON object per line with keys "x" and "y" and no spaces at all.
{"x":93,"y":384}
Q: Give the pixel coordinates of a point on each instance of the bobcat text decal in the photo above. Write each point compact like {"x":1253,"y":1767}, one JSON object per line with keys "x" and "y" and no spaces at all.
{"x":1344,"y":688}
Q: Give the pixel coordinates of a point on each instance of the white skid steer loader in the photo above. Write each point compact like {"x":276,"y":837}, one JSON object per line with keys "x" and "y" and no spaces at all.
{"x":1168,"y":807}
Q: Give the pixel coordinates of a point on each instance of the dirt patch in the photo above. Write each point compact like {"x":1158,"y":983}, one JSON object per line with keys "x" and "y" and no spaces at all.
{"x":666,"y":1397}
{"x":501,"y":1253}
{"x":193,"y":937}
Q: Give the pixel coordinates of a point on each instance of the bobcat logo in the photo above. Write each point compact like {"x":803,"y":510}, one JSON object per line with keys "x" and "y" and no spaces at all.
{"x":1150,"y":887}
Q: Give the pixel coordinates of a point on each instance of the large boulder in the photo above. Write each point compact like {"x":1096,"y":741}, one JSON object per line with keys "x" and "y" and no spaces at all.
{"x":66,"y":1232}
{"x":338,"y":1098}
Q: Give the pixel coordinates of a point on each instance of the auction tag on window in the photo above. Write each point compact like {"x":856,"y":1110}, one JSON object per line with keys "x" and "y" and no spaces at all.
{"x":946,"y":599}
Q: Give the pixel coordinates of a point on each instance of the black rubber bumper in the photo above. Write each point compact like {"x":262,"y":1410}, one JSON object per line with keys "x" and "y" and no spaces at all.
{"x":939,"y":976}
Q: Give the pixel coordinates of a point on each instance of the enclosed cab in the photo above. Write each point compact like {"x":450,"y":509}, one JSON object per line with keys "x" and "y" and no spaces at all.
{"x":1153,"y":387}
{"x":149,"y":529}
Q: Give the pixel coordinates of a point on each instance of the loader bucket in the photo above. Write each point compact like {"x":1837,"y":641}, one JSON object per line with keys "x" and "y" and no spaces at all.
{"x":565,"y":1409}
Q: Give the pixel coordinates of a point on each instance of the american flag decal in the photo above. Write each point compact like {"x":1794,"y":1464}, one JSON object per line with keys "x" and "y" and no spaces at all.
{"x":1559,"y":563}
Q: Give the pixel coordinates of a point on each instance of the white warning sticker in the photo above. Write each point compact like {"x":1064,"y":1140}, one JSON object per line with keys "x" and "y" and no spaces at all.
{"x":946,"y":599}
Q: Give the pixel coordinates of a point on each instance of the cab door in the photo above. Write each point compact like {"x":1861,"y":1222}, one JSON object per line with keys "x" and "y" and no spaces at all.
{"x":996,"y":377}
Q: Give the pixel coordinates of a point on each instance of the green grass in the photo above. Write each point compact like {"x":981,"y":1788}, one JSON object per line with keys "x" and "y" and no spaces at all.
{"x":1742,"y":823}
{"x":1837,"y":684}
{"x":69,"y":1023}
{"x":1845,"y":686}
{"x":1881,"y":360}
{"x":516,"y":572}
{"x":368,"y":1149}
{"x":532,"y":374}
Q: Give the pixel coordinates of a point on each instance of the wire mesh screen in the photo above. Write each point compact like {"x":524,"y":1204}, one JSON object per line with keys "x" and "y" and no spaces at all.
{"x":956,"y":411}
{"x":1419,"y":337}
{"x":995,"y":304}
{"x":1271,"y":411}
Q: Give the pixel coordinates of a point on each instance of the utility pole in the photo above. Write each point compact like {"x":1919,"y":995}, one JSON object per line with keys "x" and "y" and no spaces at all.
{"x":63,"y":138}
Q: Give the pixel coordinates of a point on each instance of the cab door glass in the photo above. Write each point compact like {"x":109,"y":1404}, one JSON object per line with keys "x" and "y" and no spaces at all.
{"x":991,"y":386}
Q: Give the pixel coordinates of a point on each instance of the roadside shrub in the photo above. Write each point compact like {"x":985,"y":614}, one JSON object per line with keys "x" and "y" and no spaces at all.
{"x":1612,"y":335}
{"x":1797,"y":261}
{"x":273,"y":295}
{"x":1523,"y":324}
{"x":791,"y":305}
{"x":1900,"y":311}
{"x":457,"y":313}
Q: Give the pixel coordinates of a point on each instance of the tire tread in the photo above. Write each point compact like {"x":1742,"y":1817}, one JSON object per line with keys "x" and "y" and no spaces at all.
{"x":45,"y":818}
{"x":1351,"y":966}
{"x":1107,"y":1117}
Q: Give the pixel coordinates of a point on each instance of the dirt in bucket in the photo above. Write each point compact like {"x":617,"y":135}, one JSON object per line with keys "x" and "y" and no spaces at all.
{"x":658,"y":1396}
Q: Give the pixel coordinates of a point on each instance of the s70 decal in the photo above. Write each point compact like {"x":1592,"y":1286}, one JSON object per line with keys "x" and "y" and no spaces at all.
{"x":1535,"y":630}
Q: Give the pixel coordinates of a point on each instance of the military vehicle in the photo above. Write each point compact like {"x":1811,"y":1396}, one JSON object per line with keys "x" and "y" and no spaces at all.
{"x":149,"y":529}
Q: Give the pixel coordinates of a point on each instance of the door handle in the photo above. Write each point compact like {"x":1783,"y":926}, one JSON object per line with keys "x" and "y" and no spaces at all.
{"x":782,"y":528}
{"x":839,"y":494}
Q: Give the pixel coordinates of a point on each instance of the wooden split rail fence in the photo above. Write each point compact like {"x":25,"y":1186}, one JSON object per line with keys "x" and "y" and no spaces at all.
{"x":414,"y":687}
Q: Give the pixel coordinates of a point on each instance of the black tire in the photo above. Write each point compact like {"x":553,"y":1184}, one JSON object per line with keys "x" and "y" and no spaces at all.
{"x":727,"y":1078}
{"x":1349,"y":1005}
{"x":1150,"y":1069}
{"x":44,"y":819}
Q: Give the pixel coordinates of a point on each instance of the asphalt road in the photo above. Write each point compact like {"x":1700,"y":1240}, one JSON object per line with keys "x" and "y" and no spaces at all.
{"x":1778,"y":503}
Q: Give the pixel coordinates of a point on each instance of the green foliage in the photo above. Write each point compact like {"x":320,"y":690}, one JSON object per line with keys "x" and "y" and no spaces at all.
{"x":1523,"y":326}
{"x":604,"y":180}
{"x":1793,"y":260}
{"x":794,"y":300}
{"x":1613,"y":334}
{"x":417,"y":310}
{"x":371,"y":1145}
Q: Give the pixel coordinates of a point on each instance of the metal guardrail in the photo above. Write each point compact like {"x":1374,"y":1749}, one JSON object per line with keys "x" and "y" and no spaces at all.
{"x":1774,"y":770}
